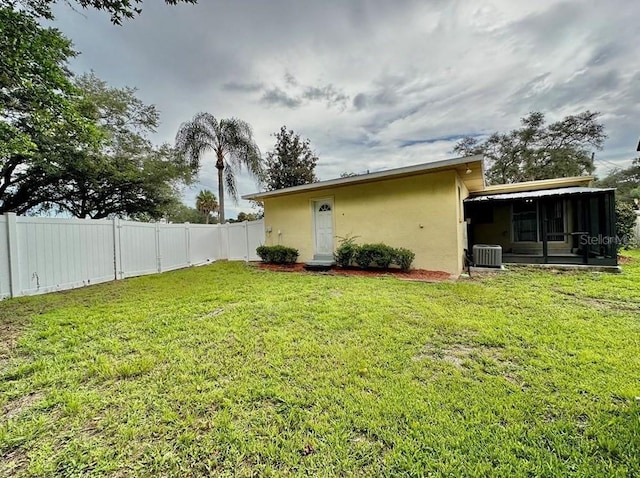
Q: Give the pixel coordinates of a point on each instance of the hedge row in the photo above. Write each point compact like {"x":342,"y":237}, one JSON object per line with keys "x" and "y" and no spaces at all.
{"x":347,"y":254}
{"x":373,"y":255}
{"x":277,"y":254}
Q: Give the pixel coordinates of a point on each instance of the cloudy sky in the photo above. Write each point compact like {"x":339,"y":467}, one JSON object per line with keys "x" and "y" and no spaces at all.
{"x":374,"y":84}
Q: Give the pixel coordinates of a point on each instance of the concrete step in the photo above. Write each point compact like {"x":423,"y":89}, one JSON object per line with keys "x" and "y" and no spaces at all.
{"x":320,"y":262}
{"x":323,"y":257}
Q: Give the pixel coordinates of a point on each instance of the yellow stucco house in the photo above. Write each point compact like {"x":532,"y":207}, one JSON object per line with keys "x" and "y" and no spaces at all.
{"x":439,"y":210}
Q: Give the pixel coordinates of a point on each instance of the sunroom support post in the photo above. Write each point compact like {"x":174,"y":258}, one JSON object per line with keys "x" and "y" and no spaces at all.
{"x":545,"y":244}
{"x":583,"y":225}
{"x":613,"y":246}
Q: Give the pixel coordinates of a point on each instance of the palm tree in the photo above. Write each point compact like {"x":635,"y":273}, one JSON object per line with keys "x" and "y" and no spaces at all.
{"x":206,"y":203}
{"x":232,"y":142}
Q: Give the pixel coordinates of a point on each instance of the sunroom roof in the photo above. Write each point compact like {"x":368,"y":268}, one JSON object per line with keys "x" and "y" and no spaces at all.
{"x":537,"y":194}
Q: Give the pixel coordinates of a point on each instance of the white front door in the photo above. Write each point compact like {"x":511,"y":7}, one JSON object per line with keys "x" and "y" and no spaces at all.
{"x":323,"y":220}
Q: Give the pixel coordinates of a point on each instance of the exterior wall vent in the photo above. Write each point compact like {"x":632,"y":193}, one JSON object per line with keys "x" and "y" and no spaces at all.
{"x":487,"y":255}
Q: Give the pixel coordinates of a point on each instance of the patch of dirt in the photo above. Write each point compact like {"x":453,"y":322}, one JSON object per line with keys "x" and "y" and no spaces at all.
{"x":420,"y":275}
{"x":362,"y":438}
{"x":15,"y":316}
{"x":582,"y":422}
{"x":214,"y":312}
{"x":455,"y":354}
{"x":217,"y":311}
{"x":13,"y":462}
{"x":491,"y":359}
{"x":307,"y":450}
{"x":624,"y":259}
{"x":9,"y":334}
{"x":370,"y":440}
{"x":19,"y":405}
{"x":90,"y":429}
{"x":600,"y":302}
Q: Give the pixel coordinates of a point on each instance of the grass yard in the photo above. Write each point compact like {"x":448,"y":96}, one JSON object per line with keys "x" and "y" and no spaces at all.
{"x":229,"y":370}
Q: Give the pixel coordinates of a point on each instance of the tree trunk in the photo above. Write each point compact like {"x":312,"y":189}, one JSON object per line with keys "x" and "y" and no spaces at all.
{"x":220,"y":167}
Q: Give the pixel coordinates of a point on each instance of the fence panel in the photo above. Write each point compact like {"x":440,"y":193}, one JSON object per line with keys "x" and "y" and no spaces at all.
{"x":256,"y":238}
{"x":174,"y":246}
{"x":57,"y":254}
{"x":204,"y":243}
{"x":223,"y":234}
{"x":43,"y":254}
{"x":5,"y":277}
{"x":637,"y":229}
{"x":237,"y":241}
{"x":138,"y":248}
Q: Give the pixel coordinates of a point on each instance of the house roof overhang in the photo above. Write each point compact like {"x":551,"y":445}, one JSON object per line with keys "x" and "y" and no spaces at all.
{"x":518,"y":195}
{"x":469,"y":168}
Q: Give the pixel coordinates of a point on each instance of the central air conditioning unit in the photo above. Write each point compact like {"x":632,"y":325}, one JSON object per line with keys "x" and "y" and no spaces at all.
{"x":487,"y":255}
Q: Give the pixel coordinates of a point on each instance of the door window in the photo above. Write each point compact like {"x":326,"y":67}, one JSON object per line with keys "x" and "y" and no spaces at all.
{"x":525,"y":221}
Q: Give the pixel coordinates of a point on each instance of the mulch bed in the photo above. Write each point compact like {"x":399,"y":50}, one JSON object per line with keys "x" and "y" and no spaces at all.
{"x":413,"y":275}
{"x":624,"y":259}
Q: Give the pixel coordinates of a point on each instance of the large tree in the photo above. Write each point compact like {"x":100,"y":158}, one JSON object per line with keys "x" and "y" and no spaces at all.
{"x":80,"y":148}
{"x":127,"y":175}
{"x":41,"y":123}
{"x":178,"y":212}
{"x":118,"y":9}
{"x":122,"y":174}
{"x":244,"y":216}
{"x":206,"y":203}
{"x":291,"y":162}
{"x":104,"y":185}
{"x":627,"y":184}
{"x":231,"y":140}
{"x":538,"y":150}
{"x":626,"y":181}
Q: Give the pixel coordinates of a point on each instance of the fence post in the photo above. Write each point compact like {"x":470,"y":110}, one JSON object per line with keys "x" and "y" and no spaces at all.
{"x":14,"y":264}
{"x":187,"y":235}
{"x":158,"y":257}
{"x":117,"y":249}
{"x":246,"y":235}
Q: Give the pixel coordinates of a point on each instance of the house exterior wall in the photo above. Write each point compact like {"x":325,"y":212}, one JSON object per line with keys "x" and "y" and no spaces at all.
{"x":421,"y":213}
{"x":500,"y":232}
{"x":461,"y":194}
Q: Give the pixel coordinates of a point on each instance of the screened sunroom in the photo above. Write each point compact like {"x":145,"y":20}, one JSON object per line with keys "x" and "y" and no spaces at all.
{"x":566,"y":225}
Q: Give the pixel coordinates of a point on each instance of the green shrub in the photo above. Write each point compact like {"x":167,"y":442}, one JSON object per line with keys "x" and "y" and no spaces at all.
{"x":625,"y":222}
{"x":372,"y":255}
{"x":277,"y":254}
{"x":346,"y":252}
{"x":379,"y":255}
{"x":403,"y":258}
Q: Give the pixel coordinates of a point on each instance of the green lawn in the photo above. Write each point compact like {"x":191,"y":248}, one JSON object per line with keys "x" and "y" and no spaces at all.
{"x":230,"y":370}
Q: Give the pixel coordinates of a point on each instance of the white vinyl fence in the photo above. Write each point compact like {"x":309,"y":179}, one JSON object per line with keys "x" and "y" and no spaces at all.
{"x":637,"y":229}
{"x":41,"y":254}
